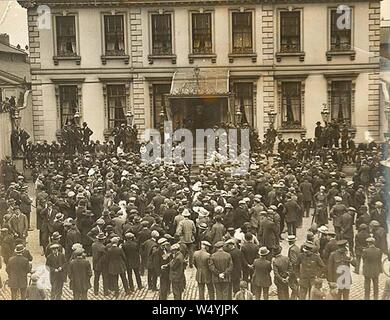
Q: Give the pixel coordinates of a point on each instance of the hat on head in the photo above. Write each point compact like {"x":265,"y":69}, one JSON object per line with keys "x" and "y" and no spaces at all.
{"x":101,"y":236}
{"x":371,"y":239}
{"x":338,"y":199}
{"x":155,"y":234}
{"x":291,"y":238}
{"x":308,"y":245}
{"x":56,"y":235}
{"x":206,"y":243}
{"x":228,"y":206}
{"x":19,"y":248}
{"x":175,"y":246}
{"x":374,"y":223}
{"x":263,"y":251}
{"x":202,"y":225}
{"x":231,"y":241}
{"x":162,"y":241}
{"x":34,"y":278}
{"x":363,"y":226}
{"x":186,"y":213}
{"x":342,"y":242}
{"x":55,"y":246}
{"x":322,"y":229}
{"x":219,"y":244}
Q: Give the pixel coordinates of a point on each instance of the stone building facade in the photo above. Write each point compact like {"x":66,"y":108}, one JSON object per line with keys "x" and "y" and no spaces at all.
{"x":200,"y":63}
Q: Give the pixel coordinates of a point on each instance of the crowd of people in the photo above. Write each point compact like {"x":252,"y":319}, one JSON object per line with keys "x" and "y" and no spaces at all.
{"x":104,"y":215}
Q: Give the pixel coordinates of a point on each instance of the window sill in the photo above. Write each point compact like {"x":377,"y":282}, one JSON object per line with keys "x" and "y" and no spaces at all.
{"x":193,"y":56}
{"x":233,"y":56}
{"x":125,"y":58}
{"x":153,"y":57}
{"x":291,"y":130}
{"x":330,"y":54}
{"x":280,"y":55}
{"x":57,"y":59}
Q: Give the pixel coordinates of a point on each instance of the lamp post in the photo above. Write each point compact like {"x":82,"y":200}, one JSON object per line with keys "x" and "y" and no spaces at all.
{"x":129,"y":118}
{"x":162,"y":118}
{"x":325,"y":113}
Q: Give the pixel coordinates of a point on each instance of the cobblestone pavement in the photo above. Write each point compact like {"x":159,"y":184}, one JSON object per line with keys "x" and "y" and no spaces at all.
{"x":190,"y":293}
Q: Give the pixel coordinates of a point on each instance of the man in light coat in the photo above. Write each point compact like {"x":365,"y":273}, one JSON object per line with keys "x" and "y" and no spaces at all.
{"x":203,"y":273}
{"x":186,"y":229}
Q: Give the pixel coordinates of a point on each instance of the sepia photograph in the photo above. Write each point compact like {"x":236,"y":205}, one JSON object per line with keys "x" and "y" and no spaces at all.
{"x":206,"y":150}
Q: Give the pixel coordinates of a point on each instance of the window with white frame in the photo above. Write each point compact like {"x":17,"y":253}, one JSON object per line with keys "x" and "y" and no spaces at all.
{"x":161,"y":34}
{"x":66,"y":36}
{"x":114,"y":35}
{"x":202,"y":42}
{"x":242,"y":30}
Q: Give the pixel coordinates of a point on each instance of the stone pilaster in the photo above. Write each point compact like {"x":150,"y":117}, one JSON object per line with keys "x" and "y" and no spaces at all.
{"x":139,"y":102}
{"x":36,"y":83}
{"x":267,"y":32}
{"x":268,"y":97}
{"x":373,"y":78}
{"x":136,"y":38}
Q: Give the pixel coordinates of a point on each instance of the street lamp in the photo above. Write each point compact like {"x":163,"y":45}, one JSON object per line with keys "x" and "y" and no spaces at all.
{"x":129,"y":118}
{"x":272,"y":117}
{"x":325,"y":113}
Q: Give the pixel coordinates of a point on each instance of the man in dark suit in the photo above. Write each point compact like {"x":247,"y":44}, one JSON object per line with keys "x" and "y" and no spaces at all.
{"x":117,"y":266}
{"x":203,"y":273}
{"x":282,"y":269}
{"x":176,"y":272}
{"x":80,"y":273}
{"x":307,"y":195}
{"x":25,"y":204}
{"x":56,"y":263}
{"x":262,"y":274}
{"x":293,"y":253}
{"x":249,"y":254}
{"x":86,"y":133}
{"x":99,"y":263}
{"x":372,"y":267}
{"x":133,"y":260}
{"x":17,"y":268}
{"x":221,"y":266}
{"x":293,"y":210}
{"x":237,"y":259}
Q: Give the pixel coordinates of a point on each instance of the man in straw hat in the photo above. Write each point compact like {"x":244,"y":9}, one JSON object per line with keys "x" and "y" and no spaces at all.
{"x":56,"y":263}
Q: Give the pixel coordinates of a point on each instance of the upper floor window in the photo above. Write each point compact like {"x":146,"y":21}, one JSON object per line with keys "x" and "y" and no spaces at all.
{"x":340,"y":31}
{"x":66,"y":36}
{"x":291,"y":104}
{"x":242,"y":32}
{"x":161,"y":34}
{"x":68,"y":95}
{"x":290,"y":31}
{"x":341,"y":102}
{"x":116,"y":98}
{"x":202,"y":33}
{"x":114,"y":35}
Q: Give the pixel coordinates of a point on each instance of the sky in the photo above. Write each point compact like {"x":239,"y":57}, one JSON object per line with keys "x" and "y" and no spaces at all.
{"x":13,"y":20}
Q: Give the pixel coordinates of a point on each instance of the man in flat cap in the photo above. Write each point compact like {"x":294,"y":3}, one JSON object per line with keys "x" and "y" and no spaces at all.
{"x":310,"y":266}
{"x":372,"y":267}
{"x":186,"y":229}
{"x":203,"y":273}
{"x":133,"y":260}
{"x":80,"y":273}
{"x":339,"y":269}
{"x":221,"y":266}
{"x":335,"y":213}
{"x":176,"y":272}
